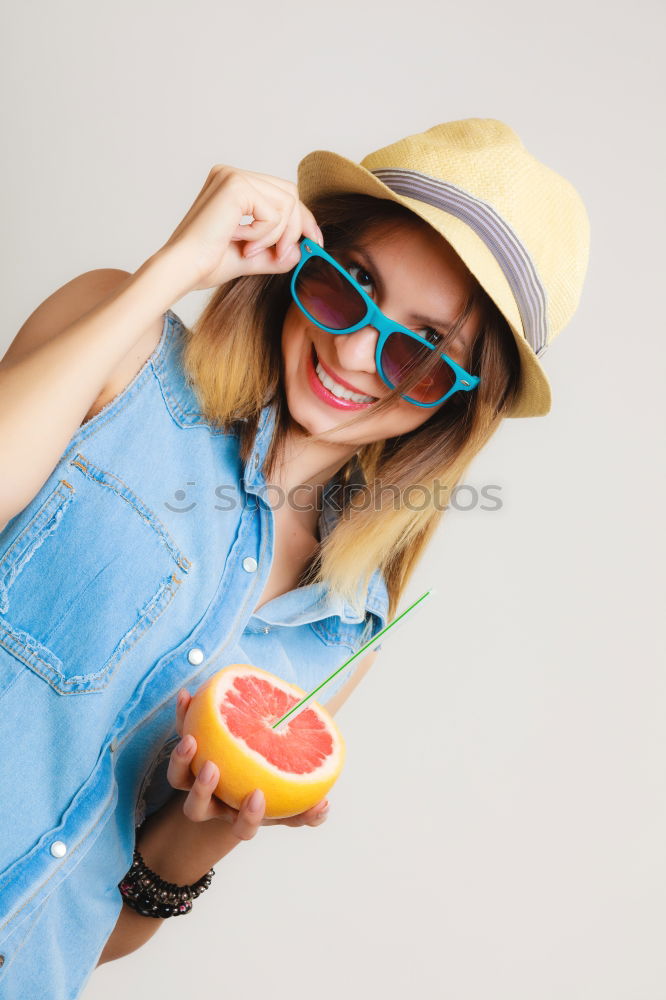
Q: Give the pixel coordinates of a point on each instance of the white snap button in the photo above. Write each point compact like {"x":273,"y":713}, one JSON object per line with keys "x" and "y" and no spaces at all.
{"x":195,"y":656}
{"x":249,"y":564}
{"x":266,"y":628}
{"x":114,"y":746}
{"x":58,"y":849}
{"x":256,"y":461}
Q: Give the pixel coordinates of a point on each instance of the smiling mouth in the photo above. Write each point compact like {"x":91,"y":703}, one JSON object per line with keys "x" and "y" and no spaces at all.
{"x":338,"y":390}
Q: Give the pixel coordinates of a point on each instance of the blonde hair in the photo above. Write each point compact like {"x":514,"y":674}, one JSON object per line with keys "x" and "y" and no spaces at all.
{"x":232,"y":357}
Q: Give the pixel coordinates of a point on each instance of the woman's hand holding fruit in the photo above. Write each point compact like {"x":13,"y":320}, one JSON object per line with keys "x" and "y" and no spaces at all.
{"x":200,"y":804}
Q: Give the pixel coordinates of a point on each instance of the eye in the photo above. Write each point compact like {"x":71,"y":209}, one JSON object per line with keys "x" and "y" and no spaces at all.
{"x":431,"y":335}
{"x":363,"y":277}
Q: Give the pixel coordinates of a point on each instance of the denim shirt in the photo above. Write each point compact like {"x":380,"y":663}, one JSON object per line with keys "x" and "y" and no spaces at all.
{"x":130,"y":575}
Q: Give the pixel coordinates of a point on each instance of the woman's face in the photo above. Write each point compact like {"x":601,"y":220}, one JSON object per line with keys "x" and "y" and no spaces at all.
{"x":410,"y":270}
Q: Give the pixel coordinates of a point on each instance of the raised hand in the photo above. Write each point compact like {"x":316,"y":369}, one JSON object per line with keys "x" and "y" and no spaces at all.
{"x":213,"y":247}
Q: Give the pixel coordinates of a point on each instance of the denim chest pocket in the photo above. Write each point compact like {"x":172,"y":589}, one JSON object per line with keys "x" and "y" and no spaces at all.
{"x":84,"y":580}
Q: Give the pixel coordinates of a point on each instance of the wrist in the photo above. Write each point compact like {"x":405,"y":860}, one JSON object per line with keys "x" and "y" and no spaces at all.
{"x":170,"y":274}
{"x":145,"y":892}
{"x":180,"y":850}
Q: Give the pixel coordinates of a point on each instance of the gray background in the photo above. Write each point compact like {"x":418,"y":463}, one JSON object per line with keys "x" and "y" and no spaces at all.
{"x":498,"y":831}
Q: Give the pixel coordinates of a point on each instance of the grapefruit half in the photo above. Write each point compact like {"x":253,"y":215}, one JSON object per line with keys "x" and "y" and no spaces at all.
{"x":231,"y":717}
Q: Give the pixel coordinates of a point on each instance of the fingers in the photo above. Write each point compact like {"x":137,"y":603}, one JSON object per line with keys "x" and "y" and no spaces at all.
{"x":182,"y":704}
{"x":284,"y":237}
{"x":312,"y":817}
{"x":307,"y":222}
{"x":266,"y":235}
{"x":249,"y":818}
{"x":290,"y":220}
{"x":179,"y":774}
{"x":297,"y":224}
{"x":318,"y":813}
{"x":201,"y":805}
{"x":197,"y":805}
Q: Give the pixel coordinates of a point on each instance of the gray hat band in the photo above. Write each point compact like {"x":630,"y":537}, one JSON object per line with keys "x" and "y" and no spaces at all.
{"x":514,"y":260}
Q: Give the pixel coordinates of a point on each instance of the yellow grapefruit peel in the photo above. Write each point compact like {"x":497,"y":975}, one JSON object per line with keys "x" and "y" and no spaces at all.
{"x":295,"y":766}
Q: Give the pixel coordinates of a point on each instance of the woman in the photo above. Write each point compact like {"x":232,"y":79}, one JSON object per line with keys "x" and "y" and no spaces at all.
{"x":255,"y":489}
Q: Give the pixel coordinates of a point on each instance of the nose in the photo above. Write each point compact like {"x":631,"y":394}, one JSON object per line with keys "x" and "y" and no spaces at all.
{"x":356,"y":350}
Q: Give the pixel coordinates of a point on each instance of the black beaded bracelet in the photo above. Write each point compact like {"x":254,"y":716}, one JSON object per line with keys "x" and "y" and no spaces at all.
{"x":151,"y":896}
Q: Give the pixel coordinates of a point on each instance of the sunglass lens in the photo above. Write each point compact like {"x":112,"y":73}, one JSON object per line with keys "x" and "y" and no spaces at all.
{"x":327,"y":296}
{"x":403,"y":357}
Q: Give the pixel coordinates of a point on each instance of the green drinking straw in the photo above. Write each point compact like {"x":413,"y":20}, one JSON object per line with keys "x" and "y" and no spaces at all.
{"x":299,"y":706}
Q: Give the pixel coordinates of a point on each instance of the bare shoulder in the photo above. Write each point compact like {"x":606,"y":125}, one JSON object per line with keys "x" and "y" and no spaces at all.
{"x":62,"y":307}
{"x":67,"y":304}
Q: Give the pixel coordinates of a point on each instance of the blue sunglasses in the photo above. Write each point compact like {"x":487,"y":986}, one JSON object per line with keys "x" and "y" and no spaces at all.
{"x":328,"y":295}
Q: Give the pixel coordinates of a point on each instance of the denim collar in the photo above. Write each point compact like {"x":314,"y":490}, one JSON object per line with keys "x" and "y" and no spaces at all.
{"x":313,"y":601}
{"x":253,"y":476}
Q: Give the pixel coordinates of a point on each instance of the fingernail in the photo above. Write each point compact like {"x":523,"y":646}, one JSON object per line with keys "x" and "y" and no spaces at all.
{"x":324,"y":809}
{"x":181,"y":697}
{"x":321,"y":236}
{"x":185,"y":746}
{"x":256,"y":800}
{"x":289,"y":252}
{"x":206,"y":773}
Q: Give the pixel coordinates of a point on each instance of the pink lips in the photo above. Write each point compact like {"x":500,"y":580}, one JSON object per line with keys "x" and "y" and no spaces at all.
{"x":323,"y":393}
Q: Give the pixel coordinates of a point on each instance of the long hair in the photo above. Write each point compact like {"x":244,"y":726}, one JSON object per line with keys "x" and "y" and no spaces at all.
{"x":232,"y":357}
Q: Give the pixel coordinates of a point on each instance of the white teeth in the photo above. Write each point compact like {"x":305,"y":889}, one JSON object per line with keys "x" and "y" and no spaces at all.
{"x":339,"y":390}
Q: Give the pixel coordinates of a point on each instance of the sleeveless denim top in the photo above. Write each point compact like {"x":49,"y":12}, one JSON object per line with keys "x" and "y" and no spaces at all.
{"x":133,"y":572}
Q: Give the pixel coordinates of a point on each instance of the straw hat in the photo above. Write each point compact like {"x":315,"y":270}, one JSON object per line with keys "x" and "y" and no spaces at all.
{"x":521,"y":229}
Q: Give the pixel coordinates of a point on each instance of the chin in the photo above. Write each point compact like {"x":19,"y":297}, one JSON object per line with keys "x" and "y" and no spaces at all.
{"x":308,"y":417}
